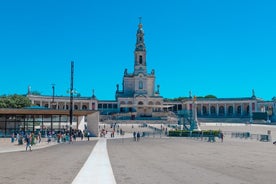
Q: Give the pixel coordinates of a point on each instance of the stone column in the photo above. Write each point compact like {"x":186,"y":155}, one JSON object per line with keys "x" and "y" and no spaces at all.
{"x":250,"y":113}
{"x":225,"y":109}
{"x":90,"y":105}
{"x":241,"y":109}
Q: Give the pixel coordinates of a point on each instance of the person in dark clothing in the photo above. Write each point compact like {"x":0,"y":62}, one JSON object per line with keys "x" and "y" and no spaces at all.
{"x":138,"y":136}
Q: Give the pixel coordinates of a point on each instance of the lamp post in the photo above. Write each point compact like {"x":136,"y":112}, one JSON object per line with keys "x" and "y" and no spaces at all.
{"x":53,"y":97}
{"x":71,"y":97}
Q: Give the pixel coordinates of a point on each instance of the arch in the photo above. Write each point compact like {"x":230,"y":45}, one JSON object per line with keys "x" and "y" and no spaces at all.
{"x":230,"y":110}
{"x":140,"y":103}
{"x":204,"y":110}
{"x":157,"y":103}
{"x":213,"y":110}
{"x":247,"y":110}
{"x":130,"y":108}
{"x":239,"y":110}
{"x":221,"y":110}
{"x":262,"y":108}
{"x":122,"y":103}
{"x":84,"y":107}
{"x":150,"y":103}
{"x":76,"y":107}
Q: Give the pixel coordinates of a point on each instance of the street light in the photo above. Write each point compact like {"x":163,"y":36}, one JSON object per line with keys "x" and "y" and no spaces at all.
{"x":53,"y":97}
{"x":71,"y":97}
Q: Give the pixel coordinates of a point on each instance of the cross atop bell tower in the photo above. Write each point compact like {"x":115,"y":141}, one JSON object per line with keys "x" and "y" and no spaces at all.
{"x":140,"y":51}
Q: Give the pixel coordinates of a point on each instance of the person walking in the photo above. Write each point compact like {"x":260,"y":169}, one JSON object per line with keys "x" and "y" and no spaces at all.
{"x":28,"y":143}
{"x":221,"y":136}
{"x":12,"y":138}
{"x":134,"y":136}
{"x":138,"y":136}
{"x":39,"y":137}
{"x":88,"y":136}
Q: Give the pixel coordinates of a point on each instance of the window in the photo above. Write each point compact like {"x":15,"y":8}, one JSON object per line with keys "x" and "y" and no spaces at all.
{"x":140,"y":85}
{"x":204,"y":110}
{"x":213,"y":110}
{"x":230,"y":110}
{"x":221,"y":110}
{"x":140,"y":59}
{"x":239,"y":110}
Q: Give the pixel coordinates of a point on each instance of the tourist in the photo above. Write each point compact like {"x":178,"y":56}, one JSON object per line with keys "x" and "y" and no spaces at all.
{"x":138,"y":136}
{"x":12,"y":138}
{"x":49,"y":139}
{"x":32,"y":139}
{"x":81,"y":135}
{"x":221,"y":136}
{"x":39,"y":137}
{"x":88,"y":135}
{"x":134,"y":136}
{"x":74,"y":136}
{"x":17,"y":136}
{"x":28,"y":143}
{"x":112,"y":133}
{"x":71,"y":138}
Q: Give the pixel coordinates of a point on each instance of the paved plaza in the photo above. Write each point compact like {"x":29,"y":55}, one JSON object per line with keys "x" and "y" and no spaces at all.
{"x":150,"y":160}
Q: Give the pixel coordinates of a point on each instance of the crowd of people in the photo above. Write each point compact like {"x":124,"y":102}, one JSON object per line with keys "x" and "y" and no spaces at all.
{"x":33,"y":138}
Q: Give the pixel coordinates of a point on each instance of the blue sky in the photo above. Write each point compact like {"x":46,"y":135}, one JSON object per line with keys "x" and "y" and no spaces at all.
{"x":224,"y":48}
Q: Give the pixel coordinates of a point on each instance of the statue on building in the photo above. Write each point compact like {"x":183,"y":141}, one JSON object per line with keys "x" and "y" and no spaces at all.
{"x":125,"y":72}
{"x":152,"y":72}
{"x":253,"y":93}
{"x":29,"y":90}
{"x":158,"y":89}
{"x":117,"y":86}
{"x":93,"y":93}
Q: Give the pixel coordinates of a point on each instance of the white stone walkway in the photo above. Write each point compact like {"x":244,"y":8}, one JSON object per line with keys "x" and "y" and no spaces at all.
{"x":97,"y":169}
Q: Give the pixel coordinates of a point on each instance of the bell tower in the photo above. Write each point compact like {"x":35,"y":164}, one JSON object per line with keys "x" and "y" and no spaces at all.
{"x":140,"y":51}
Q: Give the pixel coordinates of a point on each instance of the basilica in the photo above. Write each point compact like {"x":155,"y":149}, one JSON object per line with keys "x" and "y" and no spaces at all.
{"x":139,"y":96}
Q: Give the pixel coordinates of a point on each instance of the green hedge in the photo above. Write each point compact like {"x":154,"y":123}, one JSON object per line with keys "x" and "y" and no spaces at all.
{"x":186,"y":133}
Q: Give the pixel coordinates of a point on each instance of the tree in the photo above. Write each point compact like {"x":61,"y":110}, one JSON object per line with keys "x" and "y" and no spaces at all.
{"x":210,"y":96}
{"x":14,"y":101}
